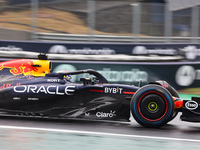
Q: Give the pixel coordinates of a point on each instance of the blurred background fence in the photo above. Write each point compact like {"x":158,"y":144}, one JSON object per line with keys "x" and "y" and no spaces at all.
{"x":101,"y":21}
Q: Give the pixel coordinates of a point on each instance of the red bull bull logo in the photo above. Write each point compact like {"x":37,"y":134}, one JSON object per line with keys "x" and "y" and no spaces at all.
{"x":20,"y":66}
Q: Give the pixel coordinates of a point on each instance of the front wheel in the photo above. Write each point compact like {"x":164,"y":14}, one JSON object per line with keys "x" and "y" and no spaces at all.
{"x":152,"y":106}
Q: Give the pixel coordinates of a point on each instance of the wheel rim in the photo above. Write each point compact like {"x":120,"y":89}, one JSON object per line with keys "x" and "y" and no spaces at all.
{"x":152,"y":106}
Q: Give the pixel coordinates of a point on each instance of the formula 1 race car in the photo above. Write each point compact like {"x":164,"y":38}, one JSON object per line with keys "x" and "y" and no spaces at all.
{"x":28,"y":89}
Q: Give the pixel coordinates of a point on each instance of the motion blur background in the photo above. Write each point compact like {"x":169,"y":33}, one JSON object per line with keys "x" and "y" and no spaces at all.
{"x":100,"y":20}
{"x":127,"y":41}
{"x":101,"y":34}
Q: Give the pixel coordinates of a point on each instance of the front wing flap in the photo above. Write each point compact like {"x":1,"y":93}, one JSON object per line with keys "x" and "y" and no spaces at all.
{"x":191,"y":110}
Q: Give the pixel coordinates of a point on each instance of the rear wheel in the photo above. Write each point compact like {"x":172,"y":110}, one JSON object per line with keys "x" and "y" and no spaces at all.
{"x":152,"y":106}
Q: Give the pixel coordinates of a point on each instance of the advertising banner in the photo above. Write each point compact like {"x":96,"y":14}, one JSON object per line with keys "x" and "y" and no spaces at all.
{"x":179,"y":75}
{"x":183,"y":76}
{"x":189,"y":52}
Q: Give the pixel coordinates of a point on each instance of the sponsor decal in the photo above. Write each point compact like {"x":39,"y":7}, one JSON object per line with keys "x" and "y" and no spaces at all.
{"x":11,"y":48}
{"x":191,"y":105}
{"x":58,"y":49}
{"x":19,"y":67}
{"x":16,"y":98}
{"x":9,"y":85}
{"x":54,"y":90}
{"x":125,"y":76}
{"x":142,"y":50}
{"x":165,"y":85}
{"x":33,"y":98}
{"x":87,"y":114}
{"x":53,"y":80}
{"x":133,"y":75}
{"x":186,"y":75}
{"x":86,"y":50}
{"x":191,"y":52}
{"x":110,"y":114}
{"x":113,"y":90}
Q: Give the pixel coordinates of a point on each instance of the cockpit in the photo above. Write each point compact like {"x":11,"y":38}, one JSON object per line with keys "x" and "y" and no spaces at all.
{"x":89,"y":81}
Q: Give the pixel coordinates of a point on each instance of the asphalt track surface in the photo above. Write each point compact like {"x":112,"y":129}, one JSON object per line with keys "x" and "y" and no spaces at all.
{"x":78,"y":134}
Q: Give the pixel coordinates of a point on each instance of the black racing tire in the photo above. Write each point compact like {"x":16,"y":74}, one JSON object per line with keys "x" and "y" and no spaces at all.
{"x":152,"y":106}
{"x":175,"y":94}
{"x":172,"y":91}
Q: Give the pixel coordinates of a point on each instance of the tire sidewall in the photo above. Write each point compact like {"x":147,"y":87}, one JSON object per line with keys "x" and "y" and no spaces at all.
{"x":156,"y":89}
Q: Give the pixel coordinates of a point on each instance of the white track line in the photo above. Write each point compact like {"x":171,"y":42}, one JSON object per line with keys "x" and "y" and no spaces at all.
{"x":99,"y":133}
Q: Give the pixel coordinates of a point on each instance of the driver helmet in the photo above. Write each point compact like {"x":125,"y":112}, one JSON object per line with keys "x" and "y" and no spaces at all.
{"x":68,"y":78}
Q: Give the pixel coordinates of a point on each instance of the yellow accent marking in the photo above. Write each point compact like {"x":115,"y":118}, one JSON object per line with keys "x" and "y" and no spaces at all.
{"x":43,"y":69}
{"x":152,"y":104}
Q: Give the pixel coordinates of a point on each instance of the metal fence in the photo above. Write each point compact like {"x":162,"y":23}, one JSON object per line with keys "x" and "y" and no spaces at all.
{"x":101,"y":20}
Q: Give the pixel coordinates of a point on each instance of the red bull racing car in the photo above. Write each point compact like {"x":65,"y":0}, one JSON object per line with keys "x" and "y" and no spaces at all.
{"x":28,"y":89}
